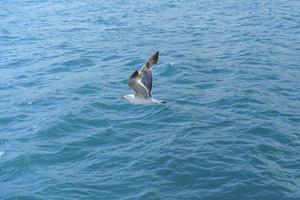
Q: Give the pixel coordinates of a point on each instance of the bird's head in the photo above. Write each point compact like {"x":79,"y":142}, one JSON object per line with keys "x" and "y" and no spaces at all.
{"x":127,"y":97}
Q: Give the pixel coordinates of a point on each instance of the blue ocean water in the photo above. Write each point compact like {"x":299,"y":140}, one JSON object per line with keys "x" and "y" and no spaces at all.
{"x":229,"y":71}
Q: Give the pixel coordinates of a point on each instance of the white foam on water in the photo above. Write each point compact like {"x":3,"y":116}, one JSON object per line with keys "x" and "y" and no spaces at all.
{"x":1,"y":153}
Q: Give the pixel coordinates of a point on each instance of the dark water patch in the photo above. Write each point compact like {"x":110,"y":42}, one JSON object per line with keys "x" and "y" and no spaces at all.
{"x":6,"y":120}
{"x":48,"y":159}
{"x":87,"y":89}
{"x":58,"y":70}
{"x":84,"y":122}
{"x":83,"y":62}
{"x":71,"y":65}
{"x":29,"y":196}
{"x":14,"y":168}
{"x":98,"y":139}
{"x":111,"y":58}
{"x":59,"y":129}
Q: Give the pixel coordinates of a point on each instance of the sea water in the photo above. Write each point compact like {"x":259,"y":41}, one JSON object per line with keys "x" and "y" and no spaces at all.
{"x":229,"y":71}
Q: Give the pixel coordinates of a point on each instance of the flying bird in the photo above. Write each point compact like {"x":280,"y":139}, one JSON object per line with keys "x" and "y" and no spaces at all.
{"x":141,"y":82}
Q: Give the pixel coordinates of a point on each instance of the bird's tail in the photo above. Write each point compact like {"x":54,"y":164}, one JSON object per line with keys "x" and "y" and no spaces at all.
{"x":159,"y":101}
{"x":162,"y":102}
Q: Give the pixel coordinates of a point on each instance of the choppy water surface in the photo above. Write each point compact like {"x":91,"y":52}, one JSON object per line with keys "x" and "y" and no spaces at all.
{"x":229,"y":71}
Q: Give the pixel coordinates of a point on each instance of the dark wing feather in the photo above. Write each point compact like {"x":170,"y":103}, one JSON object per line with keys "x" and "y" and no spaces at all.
{"x":146,"y":72}
{"x":147,"y":80}
{"x":153,"y":59}
{"x":135,"y":83}
{"x":141,"y":80}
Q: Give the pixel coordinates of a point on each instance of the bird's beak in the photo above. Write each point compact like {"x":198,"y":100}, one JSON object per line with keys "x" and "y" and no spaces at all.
{"x":122,"y":97}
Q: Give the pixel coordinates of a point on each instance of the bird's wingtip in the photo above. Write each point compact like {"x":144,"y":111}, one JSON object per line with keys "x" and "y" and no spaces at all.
{"x":154,"y":58}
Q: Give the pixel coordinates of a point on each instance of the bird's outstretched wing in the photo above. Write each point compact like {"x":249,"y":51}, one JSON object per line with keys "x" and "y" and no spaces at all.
{"x":141,"y":80}
{"x":135,"y":83}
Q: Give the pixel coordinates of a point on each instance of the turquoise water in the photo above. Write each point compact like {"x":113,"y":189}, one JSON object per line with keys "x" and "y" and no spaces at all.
{"x":229,"y":71}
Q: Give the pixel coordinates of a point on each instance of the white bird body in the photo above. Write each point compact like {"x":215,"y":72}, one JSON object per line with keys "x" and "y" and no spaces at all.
{"x":141,"y":82}
{"x":140,"y":100}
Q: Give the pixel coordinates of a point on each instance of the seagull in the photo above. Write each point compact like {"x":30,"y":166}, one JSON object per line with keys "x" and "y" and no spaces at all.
{"x":141,"y":82}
